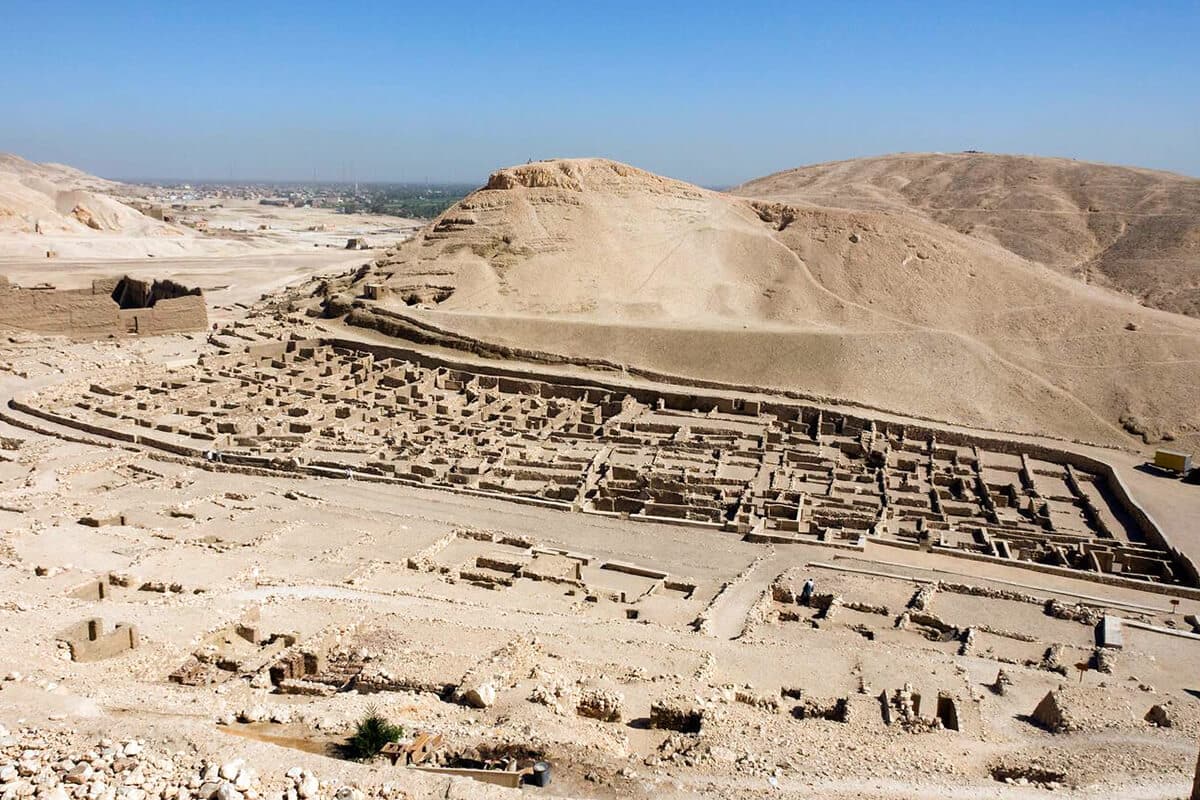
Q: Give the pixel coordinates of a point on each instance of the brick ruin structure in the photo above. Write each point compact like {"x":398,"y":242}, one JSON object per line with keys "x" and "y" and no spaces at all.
{"x":110,"y":307}
{"x":87,"y":640}
{"x":771,"y":472}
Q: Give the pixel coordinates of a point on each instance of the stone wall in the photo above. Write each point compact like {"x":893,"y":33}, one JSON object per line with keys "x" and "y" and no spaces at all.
{"x":176,"y":315}
{"x":88,"y":641}
{"x":83,"y":313}
{"x":110,"y":307}
{"x":534,"y":381}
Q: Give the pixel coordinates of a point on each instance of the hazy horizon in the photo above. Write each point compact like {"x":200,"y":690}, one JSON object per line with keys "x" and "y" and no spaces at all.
{"x":407,"y":94}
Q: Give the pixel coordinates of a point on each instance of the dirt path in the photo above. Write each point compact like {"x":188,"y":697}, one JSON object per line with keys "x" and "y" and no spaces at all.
{"x":727,"y":617}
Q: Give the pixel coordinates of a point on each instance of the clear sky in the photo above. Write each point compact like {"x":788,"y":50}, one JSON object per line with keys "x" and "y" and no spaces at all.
{"x":713,"y":92}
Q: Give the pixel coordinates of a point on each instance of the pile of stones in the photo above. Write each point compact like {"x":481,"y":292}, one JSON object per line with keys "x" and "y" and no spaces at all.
{"x":55,"y":765}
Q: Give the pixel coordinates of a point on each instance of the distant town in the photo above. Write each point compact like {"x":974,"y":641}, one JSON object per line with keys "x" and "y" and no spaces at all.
{"x":412,"y":200}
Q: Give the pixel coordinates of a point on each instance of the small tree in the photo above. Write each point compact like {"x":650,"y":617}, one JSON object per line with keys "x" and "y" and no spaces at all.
{"x":372,"y":733}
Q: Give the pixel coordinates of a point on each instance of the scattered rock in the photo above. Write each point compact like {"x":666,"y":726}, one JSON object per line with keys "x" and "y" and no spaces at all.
{"x":481,"y":696}
{"x":1158,"y":716}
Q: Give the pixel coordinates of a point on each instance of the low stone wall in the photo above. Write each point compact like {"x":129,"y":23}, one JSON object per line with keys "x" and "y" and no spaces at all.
{"x":88,"y":642}
{"x":176,"y":315}
{"x":402,"y":326}
{"x":76,"y":313}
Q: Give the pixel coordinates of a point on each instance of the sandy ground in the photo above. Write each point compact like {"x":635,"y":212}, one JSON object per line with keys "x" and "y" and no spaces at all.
{"x":50,"y":212}
{"x":236,"y":263}
{"x":335,"y":554}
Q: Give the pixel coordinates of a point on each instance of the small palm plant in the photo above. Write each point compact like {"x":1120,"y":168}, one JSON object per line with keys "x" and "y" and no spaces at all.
{"x":372,"y":733}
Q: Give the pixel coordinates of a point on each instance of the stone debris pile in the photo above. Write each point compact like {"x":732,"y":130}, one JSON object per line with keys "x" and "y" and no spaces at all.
{"x":49,"y":765}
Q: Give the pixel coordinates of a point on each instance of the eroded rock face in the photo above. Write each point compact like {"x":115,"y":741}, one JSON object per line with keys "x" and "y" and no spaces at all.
{"x":84,"y":215}
{"x":572,"y":174}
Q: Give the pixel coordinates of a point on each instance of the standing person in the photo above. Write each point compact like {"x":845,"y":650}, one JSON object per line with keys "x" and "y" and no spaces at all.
{"x":806,"y":592}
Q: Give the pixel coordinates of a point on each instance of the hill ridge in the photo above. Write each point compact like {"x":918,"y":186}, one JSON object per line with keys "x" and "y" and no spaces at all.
{"x":1131,"y":229}
{"x":592,"y":259}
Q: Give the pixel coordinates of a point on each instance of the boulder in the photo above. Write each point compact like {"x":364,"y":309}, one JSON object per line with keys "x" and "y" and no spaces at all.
{"x":1158,"y":716}
{"x":307,"y":786}
{"x":480,"y":696}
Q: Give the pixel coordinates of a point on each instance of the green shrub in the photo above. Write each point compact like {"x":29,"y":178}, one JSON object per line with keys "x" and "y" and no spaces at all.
{"x":372,"y":733}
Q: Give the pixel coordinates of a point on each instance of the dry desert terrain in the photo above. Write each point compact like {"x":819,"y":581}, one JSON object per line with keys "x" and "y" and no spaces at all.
{"x":797,"y":491}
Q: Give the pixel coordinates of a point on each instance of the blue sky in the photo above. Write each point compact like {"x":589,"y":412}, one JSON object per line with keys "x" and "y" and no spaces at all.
{"x":710,"y":92}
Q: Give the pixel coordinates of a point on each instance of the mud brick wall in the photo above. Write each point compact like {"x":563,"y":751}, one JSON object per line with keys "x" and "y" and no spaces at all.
{"x":95,"y":313}
{"x":176,"y":315}
{"x":88,"y":642}
{"x":77,"y":313}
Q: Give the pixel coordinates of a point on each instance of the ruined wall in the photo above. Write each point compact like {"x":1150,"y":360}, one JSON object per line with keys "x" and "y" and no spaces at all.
{"x":108,"y":308}
{"x":88,"y":642}
{"x":75,"y":312}
{"x":176,"y":315}
{"x":133,"y":293}
{"x":536,"y":382}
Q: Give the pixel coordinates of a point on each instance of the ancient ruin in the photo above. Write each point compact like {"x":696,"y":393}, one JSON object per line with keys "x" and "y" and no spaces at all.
{"x":601,"y":485}
{"x":88,"y":641}
{"x":771,"y":472}
{"x":111,"y":307}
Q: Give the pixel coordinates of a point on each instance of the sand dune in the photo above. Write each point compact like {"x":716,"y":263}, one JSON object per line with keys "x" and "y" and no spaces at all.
{"x":594,"y":259}
{"x":1134,"y":230}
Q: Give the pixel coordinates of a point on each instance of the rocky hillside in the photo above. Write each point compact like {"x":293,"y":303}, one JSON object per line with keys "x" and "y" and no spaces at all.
{"x":598,"y":261}
{"x":1133,"y":230}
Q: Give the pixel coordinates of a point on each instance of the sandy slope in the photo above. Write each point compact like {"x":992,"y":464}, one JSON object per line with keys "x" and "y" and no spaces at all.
{"x":55,"y":208}
{"x":1134,"y":230}
{"x":60,"y":199}
{"x":598,"y":259}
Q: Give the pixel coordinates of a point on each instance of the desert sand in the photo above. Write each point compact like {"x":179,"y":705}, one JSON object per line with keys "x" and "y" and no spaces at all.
{"x":547,"y":481}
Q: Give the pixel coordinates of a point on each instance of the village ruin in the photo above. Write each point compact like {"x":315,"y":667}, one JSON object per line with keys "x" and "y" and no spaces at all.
{"x":245,"y":523}
{"x":772,"y":473}
{"x":666,"y":566}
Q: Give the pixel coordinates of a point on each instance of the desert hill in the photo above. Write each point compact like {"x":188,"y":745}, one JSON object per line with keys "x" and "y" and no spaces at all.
{"x":598,"y":260}
{"x":1134,"y":230}
{"x":59,"y":210}
{"x":59,"y":199}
